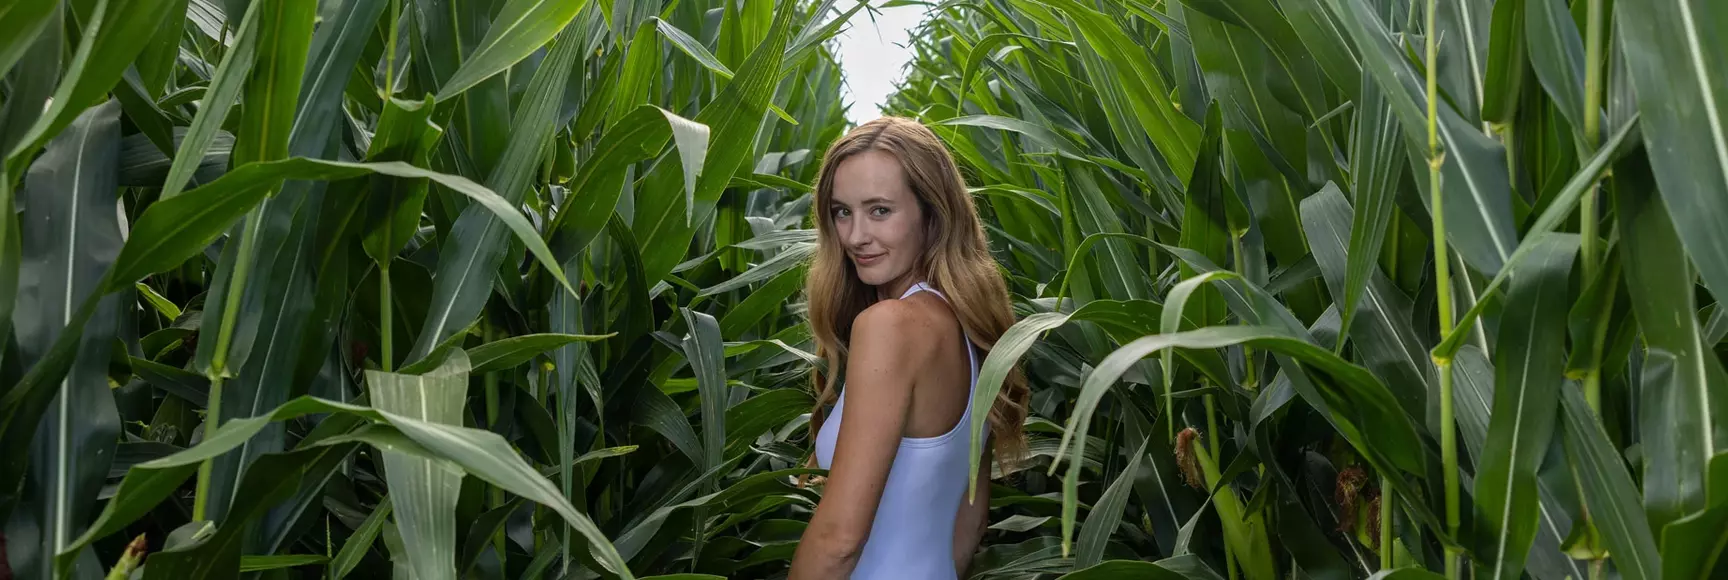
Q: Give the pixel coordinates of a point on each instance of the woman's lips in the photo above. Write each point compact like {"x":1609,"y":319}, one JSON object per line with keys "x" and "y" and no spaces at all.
{"x":866,"y":260}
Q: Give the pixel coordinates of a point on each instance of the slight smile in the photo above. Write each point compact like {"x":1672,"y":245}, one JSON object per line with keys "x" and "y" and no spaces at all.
{"x":867,"y":259}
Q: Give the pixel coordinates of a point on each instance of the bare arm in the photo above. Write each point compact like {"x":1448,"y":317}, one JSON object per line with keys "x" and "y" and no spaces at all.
{"x":973,"y":519}
{"x":883,"y":359}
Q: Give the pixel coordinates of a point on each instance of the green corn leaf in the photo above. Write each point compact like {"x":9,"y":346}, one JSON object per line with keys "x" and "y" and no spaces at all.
{"x":172,"y":231}
{"x":507,"y":353}
{"x":1529,"y":369}
{"x":262,"y":563}
{"x":69,"y":237}
{"x":1106,"y":515}
{"x":393,"y":206}
{"x":734,"y":119}
{"x":479,"y":453}
{"x":1476,"y":190}
{"x":1557,"y":212}
{"x":1473,"y":398}
{"x":760,"y":414}
{"x":640,"y":135}
{"x":703,"y":348}
{"x":272,"y":478}
{"x":469,"y":262}
{"x":33,"y":80}
{"x":1692,"y":546}
{"x":1675,"y":45}
{"x":219,"y":98}
{"x":1377,"y":167}
{"x":1608,"y":488}
{"x":1508,"y":63}
{"x":425,"y":490}
{"x":20,"y":22}
{"x":1380,"y":329}
{"x":360,"y":542}
{"x":113,"y":32}
{"x":1557,"y":55}
{"x":520,"y":28}
{"x":1174,"y":135}
{"x":1124,"y":569}
{"x":1676,"y":393}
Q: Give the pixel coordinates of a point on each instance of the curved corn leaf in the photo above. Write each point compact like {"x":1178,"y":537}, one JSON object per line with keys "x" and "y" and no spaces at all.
{"x":469,"y":261}
{"x":113,"y":33}
{"x":507,"y":353}
{"x":520,"y":28}
{"x":482,"y":454}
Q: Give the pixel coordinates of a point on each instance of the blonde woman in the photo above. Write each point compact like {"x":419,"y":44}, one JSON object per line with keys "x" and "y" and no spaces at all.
{"x":905,"y":301}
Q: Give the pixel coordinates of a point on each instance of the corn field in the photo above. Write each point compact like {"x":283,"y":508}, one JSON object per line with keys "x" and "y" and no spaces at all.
{"x":443,"y":289}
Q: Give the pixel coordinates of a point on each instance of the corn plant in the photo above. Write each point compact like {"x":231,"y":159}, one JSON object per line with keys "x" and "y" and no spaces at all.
{"x":1339,"y":288}
{"x":431,"y":288}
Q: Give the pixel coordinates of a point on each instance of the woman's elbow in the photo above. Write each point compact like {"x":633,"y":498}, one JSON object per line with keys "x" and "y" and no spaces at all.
{"x":827,"y":553}
{"x":836,"y":545}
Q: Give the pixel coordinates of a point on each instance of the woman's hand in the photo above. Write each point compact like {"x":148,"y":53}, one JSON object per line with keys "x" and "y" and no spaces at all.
{"x":889,"y":344}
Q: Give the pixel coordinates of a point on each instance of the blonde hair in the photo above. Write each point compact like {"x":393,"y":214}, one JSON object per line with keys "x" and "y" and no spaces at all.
{"x":956,"y":260}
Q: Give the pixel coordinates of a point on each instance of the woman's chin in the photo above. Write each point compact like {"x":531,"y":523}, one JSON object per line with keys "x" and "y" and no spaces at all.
{"x":873,"y":276}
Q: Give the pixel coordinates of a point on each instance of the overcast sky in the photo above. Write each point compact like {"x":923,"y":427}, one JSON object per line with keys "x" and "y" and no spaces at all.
{"x":872,"y":55}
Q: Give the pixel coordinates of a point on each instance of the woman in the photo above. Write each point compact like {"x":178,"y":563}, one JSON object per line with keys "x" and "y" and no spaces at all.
{"x":905,"y":301}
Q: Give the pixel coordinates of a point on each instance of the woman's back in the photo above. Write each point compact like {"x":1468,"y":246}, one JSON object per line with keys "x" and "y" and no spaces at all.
{"x":913,"y":531}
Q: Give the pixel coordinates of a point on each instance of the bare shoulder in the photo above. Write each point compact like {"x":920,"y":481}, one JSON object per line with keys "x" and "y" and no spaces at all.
{"x":910,"y":325}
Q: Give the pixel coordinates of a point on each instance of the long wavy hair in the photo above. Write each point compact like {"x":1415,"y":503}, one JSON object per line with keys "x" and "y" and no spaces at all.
{"x":956,"y":261}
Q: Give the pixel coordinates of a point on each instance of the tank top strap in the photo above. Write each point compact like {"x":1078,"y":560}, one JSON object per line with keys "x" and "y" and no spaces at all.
{"x":971,"y":350}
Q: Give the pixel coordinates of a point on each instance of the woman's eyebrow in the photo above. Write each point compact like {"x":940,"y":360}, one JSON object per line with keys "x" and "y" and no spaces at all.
{"x":878,"y":200}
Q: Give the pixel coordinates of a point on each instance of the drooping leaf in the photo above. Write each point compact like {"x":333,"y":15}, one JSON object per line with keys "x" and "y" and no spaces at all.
{"x":113,"y":33}
{"x":424,"y":491}
{"x":1530,"y":360}
{"x":507,"y":353}
{"x":1676,"y":387}
{"x":1675,"y":58}
{"x":520,"y":28}
{"x":69,"y":236}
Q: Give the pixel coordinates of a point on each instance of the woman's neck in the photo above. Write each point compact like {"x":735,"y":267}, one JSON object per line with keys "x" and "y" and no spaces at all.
{"x":897,"y":287}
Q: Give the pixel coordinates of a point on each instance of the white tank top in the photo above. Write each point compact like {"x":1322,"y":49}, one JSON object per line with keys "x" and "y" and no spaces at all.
{"x":913,"y":533}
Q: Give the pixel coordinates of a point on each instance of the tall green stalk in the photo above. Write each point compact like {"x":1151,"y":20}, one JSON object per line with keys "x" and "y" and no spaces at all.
{"x":390,"y":51}
{"x":1386,"y":503}
{"x":492,"y":407}
{"x":1443,"y":292}
{"x":1588,"y":217}
{"x":385,"y":326}
{"x":1212,"y":446}
{"x":219,"y":361}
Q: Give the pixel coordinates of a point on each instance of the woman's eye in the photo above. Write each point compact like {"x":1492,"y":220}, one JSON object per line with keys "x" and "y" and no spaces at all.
{"x":879,"y":211}
{"x":841,"y":212}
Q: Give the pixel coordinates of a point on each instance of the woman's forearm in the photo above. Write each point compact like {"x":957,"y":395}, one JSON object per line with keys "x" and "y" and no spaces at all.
{"x":966,"y":544}
{"x":817,"y":559}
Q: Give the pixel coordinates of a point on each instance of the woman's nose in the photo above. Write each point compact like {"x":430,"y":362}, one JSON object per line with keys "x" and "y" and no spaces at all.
{"x":857,"y":235}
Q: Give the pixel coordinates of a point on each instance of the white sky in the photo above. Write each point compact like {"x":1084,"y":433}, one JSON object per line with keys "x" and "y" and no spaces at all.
{"x":872,"y":55}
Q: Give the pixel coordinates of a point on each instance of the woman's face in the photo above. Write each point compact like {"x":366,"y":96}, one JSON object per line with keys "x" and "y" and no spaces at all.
{"x":878,"y":220}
